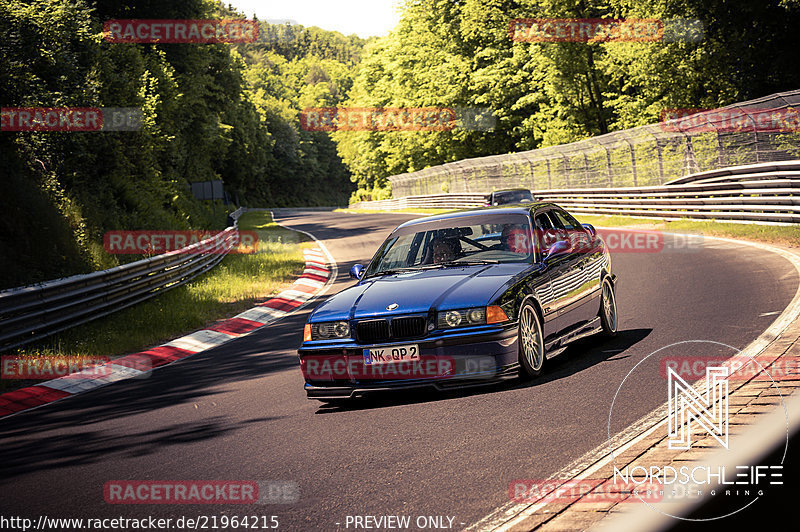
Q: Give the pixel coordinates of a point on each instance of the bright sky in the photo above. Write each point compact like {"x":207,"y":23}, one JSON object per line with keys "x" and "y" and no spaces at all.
{"x":365,"y":18}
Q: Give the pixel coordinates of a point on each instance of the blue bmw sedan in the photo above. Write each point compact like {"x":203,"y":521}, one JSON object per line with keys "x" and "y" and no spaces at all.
{"x":460,"y":299}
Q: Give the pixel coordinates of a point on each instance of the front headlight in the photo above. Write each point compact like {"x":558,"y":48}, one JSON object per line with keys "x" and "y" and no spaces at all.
{"x":329,"y":330}
{"x":449,"y":319}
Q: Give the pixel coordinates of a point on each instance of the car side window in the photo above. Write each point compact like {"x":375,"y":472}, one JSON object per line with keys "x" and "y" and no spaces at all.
{"x":556,"y":223}
{"x":573,"y":230}
{"x":545,"y":235}
{"x":565,"y":221}
{"x":542,"y":222}
{"x":562,"y":227}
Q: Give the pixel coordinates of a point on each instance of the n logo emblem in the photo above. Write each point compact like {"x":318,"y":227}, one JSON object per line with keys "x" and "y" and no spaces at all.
{"x":685,"y":405}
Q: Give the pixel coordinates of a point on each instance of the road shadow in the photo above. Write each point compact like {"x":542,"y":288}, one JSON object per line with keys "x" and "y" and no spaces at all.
{"x":70,"y":432}
{"x":30,"y":453}
{"x":200,"y":377}
{"x":581,"y":356}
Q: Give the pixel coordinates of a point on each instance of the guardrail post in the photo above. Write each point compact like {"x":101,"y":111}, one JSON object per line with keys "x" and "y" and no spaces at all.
{"x":755,"y":135}
{"x":566,"y":169}
{"x":586,"y":168}
{"x":633,"y":162}
{"x":690,"y":165}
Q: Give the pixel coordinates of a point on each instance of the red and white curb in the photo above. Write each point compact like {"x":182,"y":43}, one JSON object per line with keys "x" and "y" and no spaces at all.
{"x":318,"y":275}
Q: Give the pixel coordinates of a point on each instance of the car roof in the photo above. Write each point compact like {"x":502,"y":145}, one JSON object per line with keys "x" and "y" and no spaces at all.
{"x":489,"y":211}
{"x":512,"y":190}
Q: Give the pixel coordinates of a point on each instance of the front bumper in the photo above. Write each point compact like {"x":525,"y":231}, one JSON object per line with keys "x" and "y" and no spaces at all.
{"x":454,"y":359}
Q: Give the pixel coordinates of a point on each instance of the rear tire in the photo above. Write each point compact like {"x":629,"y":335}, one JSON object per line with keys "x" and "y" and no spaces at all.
{"x":531,"y":343}
{"x":608,"y":310}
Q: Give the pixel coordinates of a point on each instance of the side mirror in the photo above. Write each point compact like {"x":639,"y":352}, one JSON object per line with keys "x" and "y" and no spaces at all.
{"x":559,"y":249}
{"x":591,"y":229}
{"x":357,"y":271}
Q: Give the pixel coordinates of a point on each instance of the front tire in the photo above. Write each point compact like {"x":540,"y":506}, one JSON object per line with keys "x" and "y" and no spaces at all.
{"x":608,"y":310}
{"x":531,"y":343}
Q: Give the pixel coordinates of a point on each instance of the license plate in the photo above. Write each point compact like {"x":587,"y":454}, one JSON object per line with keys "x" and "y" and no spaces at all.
{"x":390,"y":355}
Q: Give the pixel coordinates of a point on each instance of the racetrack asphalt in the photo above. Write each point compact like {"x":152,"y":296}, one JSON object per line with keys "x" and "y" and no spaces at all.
{"x":239,"y":412}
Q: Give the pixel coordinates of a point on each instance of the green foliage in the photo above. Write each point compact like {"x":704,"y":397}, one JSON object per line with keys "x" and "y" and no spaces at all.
{"x":293,"y":68}
{"x":211,"y":111}
{"x":460,"y":54}
{"x":232,"y":112}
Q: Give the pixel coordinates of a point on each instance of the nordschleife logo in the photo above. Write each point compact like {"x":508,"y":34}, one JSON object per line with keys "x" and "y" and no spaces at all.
{"x":686,"y":406}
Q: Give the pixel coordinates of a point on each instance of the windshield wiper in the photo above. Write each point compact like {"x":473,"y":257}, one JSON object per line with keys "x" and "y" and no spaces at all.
{"x":393,"y":271}
{"x":469,"y":262}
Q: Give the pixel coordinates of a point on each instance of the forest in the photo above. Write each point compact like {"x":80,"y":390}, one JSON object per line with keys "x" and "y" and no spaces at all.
{"x":460,"y":54}
{"x":209,"y":112}
{"x":231,"y":112}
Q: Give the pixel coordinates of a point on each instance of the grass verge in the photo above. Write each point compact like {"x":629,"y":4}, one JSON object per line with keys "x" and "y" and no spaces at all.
{"x":234,"y":285}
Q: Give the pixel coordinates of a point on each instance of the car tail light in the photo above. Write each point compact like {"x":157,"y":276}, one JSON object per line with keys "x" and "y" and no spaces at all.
{"x":495,"y":314}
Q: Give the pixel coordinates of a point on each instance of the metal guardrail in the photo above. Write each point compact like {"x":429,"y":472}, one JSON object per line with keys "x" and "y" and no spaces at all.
{"x":429,"y":201}
{"x":32,"y":312}
{"x":756,"y":193}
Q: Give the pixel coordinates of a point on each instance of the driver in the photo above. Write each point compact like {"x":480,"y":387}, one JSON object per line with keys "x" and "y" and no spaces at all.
{"x":442,"y":251}
{"x":516,"y":238}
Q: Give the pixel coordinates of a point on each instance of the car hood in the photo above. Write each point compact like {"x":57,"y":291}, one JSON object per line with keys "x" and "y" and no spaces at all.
{"x":417,"y":292}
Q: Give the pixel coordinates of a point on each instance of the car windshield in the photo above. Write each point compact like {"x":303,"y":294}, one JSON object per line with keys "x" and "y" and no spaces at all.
{"x":461,"y":242}
{"x":512,"y":196}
